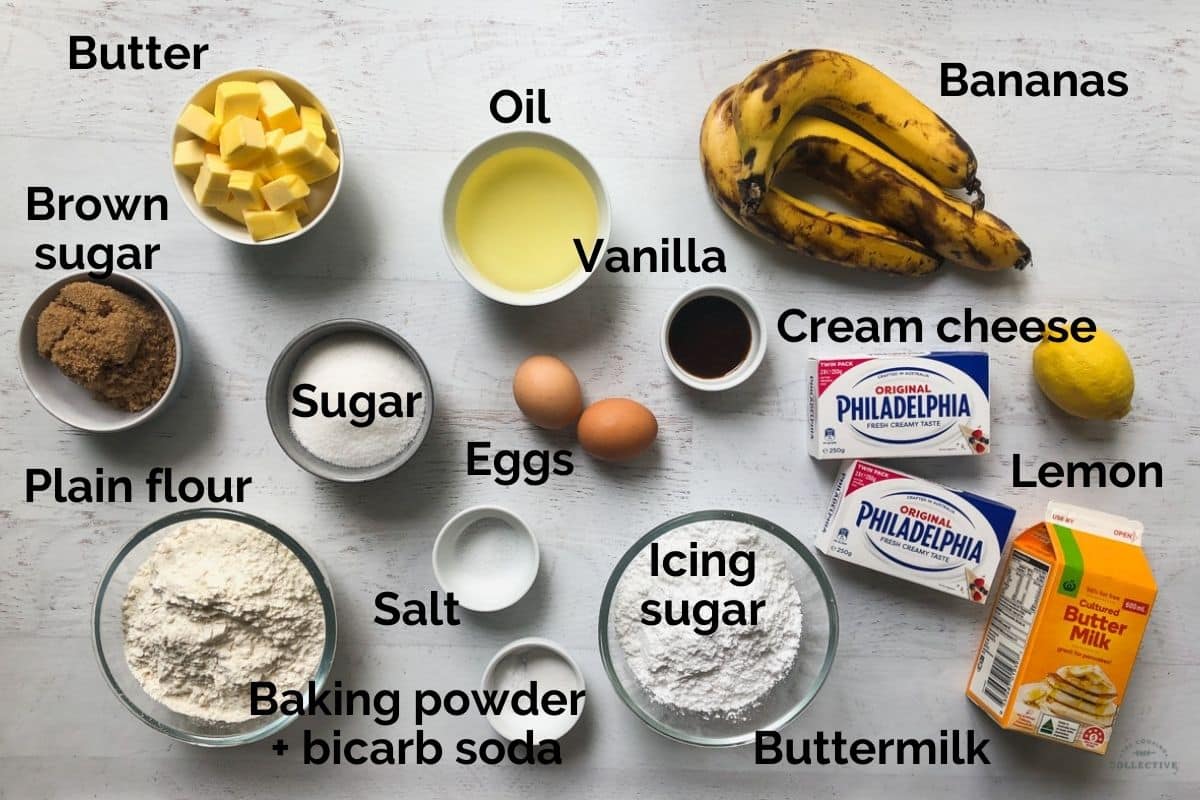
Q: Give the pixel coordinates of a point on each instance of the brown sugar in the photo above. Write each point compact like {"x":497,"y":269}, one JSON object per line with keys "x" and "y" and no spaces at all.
{"x":111,"y":343}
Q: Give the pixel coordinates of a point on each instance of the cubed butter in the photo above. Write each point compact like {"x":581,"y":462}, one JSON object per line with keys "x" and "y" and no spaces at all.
{"x":319,"y":168}
{"x":299,"y":147}
{"x":217,"y":164}
{"x":212,"y":185}
{"x":270,"y":224}
{"x":274,"y":139}
{"x":284,"y":191}
{"x":242,"y":141}
{"x":311,"y":118}
{"x":270,"y":157}
{"x":237,"y":98}
{"x":198,"y":122}
{"x":231,"y":209}
{"x":299,"y":206}
{"x":189,"y":157}
{"x":277,"y":111}
{"x":276,"y":171}
{"x":245,"y":189}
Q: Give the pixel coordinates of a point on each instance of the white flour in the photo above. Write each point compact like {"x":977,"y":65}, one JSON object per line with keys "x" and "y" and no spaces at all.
{"x":725,"y":674}
{"x":219,"y":604}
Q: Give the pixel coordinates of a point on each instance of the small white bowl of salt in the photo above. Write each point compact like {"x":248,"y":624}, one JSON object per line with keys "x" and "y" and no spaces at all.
{"x":487,"y":557}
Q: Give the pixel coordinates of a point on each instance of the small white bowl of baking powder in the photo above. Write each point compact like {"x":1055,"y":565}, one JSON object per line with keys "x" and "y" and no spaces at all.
{"x":515,"y":668}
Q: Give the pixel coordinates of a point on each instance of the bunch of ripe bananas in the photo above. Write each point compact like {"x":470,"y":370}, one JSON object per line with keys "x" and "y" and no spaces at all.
{"x":762,"y":128}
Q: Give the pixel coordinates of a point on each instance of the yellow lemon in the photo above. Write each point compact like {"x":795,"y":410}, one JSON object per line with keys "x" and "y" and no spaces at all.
{"x":1093,"y":379}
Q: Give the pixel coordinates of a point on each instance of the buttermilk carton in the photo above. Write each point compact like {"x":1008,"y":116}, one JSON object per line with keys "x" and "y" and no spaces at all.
{"x":1069,"y":616}
{"x":932,"y":535}
{"x":931,"y":404}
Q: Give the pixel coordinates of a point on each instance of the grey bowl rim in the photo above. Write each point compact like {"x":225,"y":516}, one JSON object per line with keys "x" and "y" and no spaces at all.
{"x":281,"y":430}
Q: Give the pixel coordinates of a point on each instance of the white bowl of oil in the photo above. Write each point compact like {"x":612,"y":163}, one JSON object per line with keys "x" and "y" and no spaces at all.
{"x":517,"y":210}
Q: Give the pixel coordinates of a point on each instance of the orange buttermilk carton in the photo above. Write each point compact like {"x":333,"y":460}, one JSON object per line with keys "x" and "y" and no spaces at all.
{"x":1065,"y":627}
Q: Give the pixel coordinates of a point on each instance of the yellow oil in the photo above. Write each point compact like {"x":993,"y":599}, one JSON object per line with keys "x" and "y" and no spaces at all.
{"x":517,"y":215}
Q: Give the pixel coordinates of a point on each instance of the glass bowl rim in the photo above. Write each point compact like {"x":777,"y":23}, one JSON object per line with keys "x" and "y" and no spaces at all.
{"x":806,"y":555}
{"x":324,"y":591}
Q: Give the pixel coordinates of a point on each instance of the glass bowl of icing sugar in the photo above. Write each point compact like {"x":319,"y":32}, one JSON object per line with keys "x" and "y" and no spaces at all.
{"x":716,"y":625}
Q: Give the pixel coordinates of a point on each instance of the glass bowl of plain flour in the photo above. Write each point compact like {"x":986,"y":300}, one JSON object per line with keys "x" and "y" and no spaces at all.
{"x":200,"y":604}
{"x":715,"y":625}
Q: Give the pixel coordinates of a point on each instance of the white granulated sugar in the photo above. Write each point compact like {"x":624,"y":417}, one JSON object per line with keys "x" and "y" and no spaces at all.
{"x":349,"y":363}
{"x":725,"y":674}
{"x":219,"y":604}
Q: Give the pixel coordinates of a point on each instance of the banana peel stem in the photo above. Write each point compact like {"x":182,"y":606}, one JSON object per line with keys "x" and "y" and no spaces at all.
{"x":751,"y":192}
{"x":975,"y":187}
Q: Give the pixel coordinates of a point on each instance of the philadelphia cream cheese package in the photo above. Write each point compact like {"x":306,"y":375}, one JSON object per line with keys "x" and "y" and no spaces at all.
{"x":931,"y":404}
{"x":943,"y":538}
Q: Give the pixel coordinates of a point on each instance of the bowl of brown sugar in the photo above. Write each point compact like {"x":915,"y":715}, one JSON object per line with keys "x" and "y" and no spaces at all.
{"x":102,"y":355}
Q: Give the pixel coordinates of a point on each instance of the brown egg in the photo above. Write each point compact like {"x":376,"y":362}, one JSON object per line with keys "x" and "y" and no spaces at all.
{"x":547,"y":392}
{"x":617,"y":429}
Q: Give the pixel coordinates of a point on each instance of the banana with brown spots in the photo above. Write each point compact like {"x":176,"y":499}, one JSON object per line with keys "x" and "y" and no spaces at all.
{"x":796,"y":224}
{"x":770,"y":96}
{"x":889,"y":190}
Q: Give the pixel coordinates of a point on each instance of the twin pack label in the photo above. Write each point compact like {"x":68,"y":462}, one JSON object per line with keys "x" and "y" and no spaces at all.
{"x":918,"y":530}
{"x":933,"y":404}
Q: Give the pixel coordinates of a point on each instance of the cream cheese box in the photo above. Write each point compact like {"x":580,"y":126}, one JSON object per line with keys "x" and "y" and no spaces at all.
{"x":923,"y":532}
{"x":930,"y":404}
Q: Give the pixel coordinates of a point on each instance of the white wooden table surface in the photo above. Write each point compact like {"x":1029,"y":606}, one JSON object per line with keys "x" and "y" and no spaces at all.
{"x":1105,"y":191}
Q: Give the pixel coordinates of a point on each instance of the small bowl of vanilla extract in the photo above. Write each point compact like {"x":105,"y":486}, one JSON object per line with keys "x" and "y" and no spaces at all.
{"x":713,"y":338}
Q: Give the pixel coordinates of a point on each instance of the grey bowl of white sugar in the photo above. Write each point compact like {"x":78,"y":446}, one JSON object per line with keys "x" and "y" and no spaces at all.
{"x":349,"y":400}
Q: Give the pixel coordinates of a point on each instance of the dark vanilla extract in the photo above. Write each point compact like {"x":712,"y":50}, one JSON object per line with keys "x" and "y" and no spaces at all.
{"x":709,"y":336}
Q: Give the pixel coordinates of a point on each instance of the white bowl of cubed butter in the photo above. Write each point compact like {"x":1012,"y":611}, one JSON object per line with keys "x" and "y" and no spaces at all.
{"x":257,"y":157}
